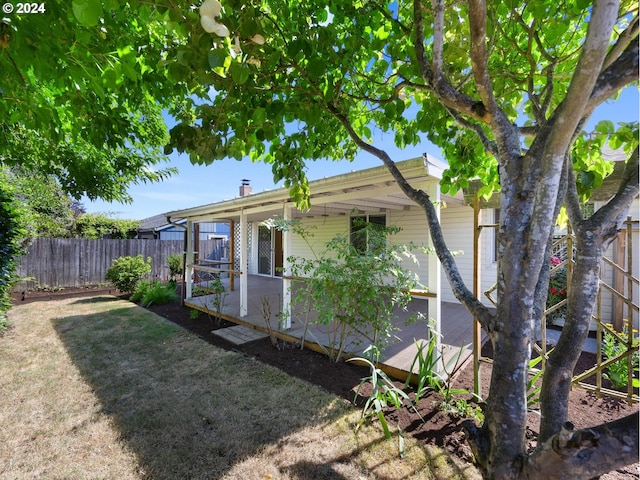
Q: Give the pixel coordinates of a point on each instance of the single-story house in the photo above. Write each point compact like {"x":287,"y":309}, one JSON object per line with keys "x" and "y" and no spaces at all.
{"x":258,"y":251}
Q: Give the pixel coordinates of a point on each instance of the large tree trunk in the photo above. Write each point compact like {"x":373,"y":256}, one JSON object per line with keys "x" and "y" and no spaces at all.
{"x":583,"y":292}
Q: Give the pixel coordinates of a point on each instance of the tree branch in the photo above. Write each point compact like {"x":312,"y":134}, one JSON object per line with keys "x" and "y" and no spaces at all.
{"x":489,"y":145}
{"x":622,"y":72}
{"x":460,"y":290}
{"x":622,"y":43}
{"x":438,"y":38}
{"x":445,"y":92}
{"x":594,"y":50}
{"x":479,"y":60}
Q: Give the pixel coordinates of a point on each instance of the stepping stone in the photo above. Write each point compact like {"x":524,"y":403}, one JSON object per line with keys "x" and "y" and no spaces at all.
{"x":239,"y":334}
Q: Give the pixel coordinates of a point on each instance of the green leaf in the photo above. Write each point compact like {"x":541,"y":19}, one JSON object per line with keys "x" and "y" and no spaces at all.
{"x":87,"y":12}
{"x":259,"y":115}
{"x":239,"y":73}
{"x":382,"y":34}
{"x":217,"y":57}
{"x":316,"y":68}
{"x":606,"y":127}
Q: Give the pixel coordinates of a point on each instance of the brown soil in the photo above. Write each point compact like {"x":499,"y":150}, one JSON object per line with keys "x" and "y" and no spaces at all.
{"x":430,"y":424}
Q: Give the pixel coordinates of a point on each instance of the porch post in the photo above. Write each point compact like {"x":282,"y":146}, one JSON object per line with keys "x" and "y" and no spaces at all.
{"x":435,"y":309}
{"x":189,"y":260}
{"x":286,"y":282}
{"x":477,"y":286}
{"x":232,"y":255}
{"x":244,"y":236}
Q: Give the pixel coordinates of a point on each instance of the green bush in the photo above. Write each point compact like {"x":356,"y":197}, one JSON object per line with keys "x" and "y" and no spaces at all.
{"x":96,"y":225}
{"x":126,"y":272}
{"x":11,"y":233}
{"x":174,"y":261}
{"x":355,"y":291}
{"x":149,"y":293}
{"x":141,"y":289}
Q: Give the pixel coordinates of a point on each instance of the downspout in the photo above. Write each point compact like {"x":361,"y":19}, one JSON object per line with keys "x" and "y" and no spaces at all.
{"x":184,"y":259}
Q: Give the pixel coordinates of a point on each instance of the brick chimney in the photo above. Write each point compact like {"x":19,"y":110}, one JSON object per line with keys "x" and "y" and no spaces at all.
{"x":245,"y":188}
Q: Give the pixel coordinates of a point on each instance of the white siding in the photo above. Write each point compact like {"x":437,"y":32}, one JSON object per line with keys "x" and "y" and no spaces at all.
{"x":413,"y":229}
{"x":321,"y":229}
{"x":457,"y":224}
{"x":413,"y":224}
{"x":457,"y":228}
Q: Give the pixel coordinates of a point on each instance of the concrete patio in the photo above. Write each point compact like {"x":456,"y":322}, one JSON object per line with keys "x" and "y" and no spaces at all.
{"x":456,"y":327}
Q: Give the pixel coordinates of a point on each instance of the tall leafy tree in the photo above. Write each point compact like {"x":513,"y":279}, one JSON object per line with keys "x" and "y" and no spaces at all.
{"x":505,"y":89}
{"x":11,"y":234}
{"x":82,"y":95}
{"x":81,"y":100}
{"x":47,"y":210}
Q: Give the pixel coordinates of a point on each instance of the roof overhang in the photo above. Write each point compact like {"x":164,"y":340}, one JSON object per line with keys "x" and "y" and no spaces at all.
{"x":371,"y":190}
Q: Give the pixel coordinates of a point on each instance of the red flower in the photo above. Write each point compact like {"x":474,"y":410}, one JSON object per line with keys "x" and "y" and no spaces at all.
{"x":563,"y":291}
{"x":554,"y":290}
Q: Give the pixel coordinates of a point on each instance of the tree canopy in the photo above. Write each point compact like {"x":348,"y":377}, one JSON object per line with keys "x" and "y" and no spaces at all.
{"x":82,"y":100}
{"x":47,"y":211}
{"x":297,"y":81}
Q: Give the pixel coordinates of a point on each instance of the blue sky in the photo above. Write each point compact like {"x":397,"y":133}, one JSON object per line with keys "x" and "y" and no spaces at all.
{"x":198,"y":185}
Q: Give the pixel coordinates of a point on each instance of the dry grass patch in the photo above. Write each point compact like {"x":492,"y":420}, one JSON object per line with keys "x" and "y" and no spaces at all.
{"x":100,"y":388}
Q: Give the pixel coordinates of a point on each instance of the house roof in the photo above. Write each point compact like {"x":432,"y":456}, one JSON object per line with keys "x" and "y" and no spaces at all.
{"x":153,"y":223}
{"x":369,"y":190}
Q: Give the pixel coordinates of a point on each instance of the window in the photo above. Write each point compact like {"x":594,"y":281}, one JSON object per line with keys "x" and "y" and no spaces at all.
{"x":360,"y":225}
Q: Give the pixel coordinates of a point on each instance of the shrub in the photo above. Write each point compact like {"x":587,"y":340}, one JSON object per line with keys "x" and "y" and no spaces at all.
{"x":11,"y":232}
{"x":141,"y":289}
{"x":174,"y":262}
{"x":355,"y":291}
{"x":95,"y":226}
{"x":615,"y":345}
{"x":126,"y":272}
{"x":149,"y":293}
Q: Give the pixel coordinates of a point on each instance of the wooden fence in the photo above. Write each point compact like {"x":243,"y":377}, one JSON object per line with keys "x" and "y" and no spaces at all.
{"x":77,"y":262}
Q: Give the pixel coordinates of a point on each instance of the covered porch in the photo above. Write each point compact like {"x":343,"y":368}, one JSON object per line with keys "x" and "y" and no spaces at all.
{"x":256,"y":272}
{"x":456,"y":323}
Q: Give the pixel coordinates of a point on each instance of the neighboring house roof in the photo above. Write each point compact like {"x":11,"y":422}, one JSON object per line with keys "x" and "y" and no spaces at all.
{"x":372,"y":189}
{"x":153,"y":223}
{"x":158,"y":223}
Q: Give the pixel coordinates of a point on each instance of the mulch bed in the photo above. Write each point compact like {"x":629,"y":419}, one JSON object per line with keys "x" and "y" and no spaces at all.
{"x":436,"y":426}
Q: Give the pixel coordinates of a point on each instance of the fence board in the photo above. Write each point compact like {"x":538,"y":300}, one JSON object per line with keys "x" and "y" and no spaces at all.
{"x":77,"y":262}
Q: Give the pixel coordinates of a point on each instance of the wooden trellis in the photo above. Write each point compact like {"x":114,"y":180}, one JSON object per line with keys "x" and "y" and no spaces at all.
{"x":622,"y":291}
